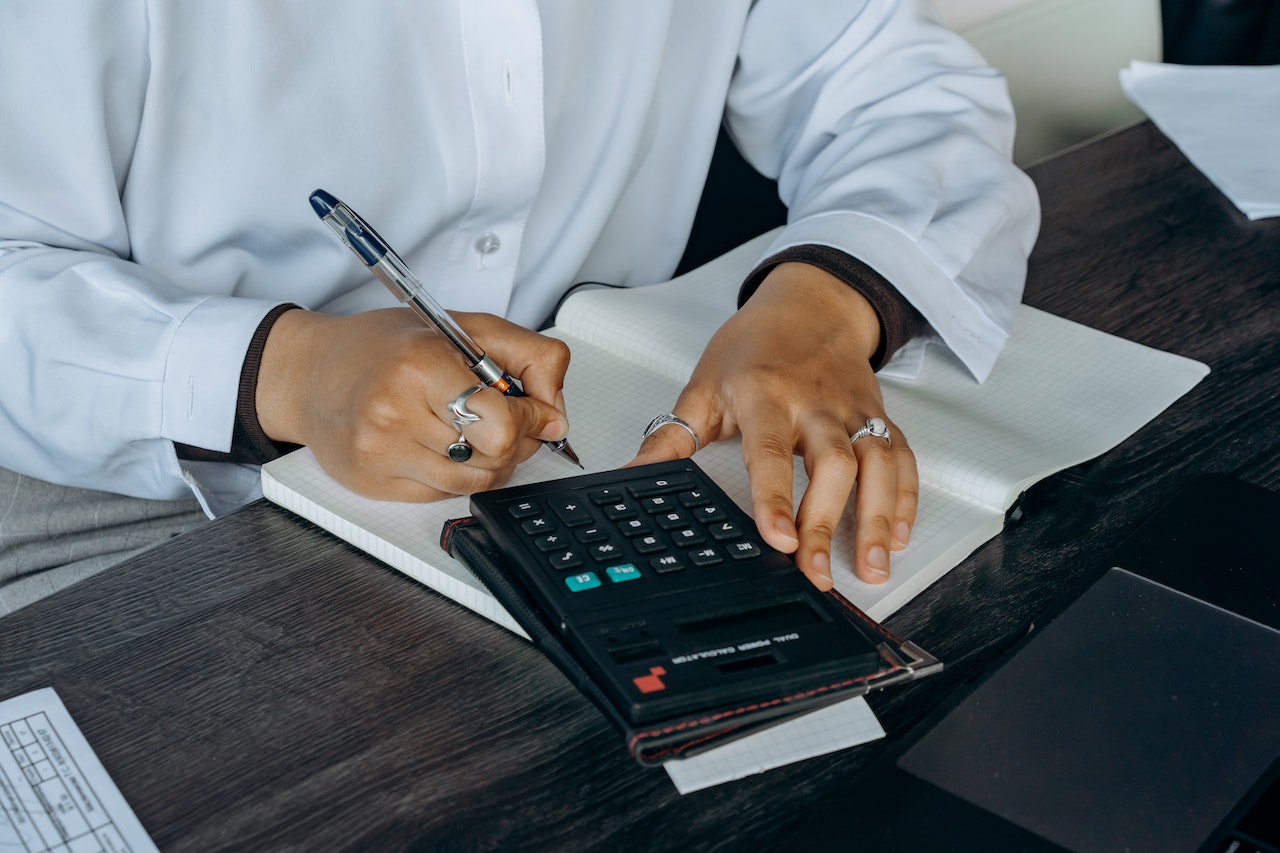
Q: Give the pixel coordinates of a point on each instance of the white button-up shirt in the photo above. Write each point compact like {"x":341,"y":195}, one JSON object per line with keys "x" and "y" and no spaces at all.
{"x":156,"y":159}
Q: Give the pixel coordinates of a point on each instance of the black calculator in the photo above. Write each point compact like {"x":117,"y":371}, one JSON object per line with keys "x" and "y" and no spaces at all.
{"x":665,"y":591}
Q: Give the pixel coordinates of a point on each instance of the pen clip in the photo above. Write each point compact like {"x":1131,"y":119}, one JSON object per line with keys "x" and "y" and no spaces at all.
{"x":357,"y":234}
{"x":381,"y":260}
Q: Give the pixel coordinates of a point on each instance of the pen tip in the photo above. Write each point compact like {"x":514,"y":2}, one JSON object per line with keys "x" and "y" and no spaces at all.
{"x":562,"y":448}
{"x":323,"y":203}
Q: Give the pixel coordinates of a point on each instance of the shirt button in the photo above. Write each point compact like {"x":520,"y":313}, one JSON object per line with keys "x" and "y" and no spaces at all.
{"x":487,"y":243}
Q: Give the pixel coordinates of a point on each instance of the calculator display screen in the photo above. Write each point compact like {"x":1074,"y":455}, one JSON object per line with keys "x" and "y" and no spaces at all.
{"x":741,"y":625}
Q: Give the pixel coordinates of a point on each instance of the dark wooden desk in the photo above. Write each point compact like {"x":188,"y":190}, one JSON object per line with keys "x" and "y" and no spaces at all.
{"x":260,"y":685}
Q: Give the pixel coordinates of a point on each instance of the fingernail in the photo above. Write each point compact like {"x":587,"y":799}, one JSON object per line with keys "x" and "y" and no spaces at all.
{"x":901,"y":534}
{"x":785,"y":528}
{"x":553,"y":431}
{"x":822,"y":566}
{"x":878,"y":560}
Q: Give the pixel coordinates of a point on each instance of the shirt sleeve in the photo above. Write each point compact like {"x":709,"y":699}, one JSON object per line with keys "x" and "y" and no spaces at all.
{"x":107,"y":362}
{"x":249,"y":442}
{"x":891,"y":141}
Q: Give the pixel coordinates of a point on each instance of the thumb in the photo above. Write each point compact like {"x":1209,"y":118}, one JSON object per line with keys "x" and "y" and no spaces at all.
{"x":668,"y":436}
{"x":540,"y":420}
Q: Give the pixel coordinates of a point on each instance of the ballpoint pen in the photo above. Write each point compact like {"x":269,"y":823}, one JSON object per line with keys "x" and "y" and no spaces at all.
{"x":376,"y":254}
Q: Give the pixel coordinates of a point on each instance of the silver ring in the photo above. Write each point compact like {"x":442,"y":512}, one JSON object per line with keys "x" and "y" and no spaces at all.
{"x":669,"y":418}
{"x":460,"y":450}
{"x":874,"y":426}
{"x":461,"y":414}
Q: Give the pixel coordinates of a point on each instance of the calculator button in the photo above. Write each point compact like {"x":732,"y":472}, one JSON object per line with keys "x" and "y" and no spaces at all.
{"x":578,"y":583}
{"x":744,"y":550}
{"x":572,"y":511}
{"x":672,"y":520}
{"x":705,"y":557}
{"x":707,"y":514}
{"x":661,"y":486}
{"x":524,"y":509}
{"x":722,"y":530}
{"x":661,"y":503}
{"x":534,"y":526}
{"x":666,"y":563}
{"x":605,"y":551}
{"x":634,"y":527}
{"x":610,"y":495}
{"x":618,"y":511}
{"x":566,"y":560}
{"x":587,"y":535}
{"x":695,"y":497}
{"x":688,"y":536}
{"x":551,"y":542}
{"x":648,"y":544}
{"x":623,"y":573}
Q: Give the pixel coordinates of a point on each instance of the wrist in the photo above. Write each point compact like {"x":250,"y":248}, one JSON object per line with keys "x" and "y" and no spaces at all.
{"x":792,"y":286}
{"x":899,"y":320}
{"x":249,"y":443}
{"x":282,"y":379}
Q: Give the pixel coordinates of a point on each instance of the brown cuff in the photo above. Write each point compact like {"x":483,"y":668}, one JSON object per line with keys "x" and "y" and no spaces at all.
{"x":249,"y":444}
{"x":899,"y":320}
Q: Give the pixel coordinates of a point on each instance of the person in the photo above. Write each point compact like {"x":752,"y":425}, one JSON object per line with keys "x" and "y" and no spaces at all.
{"x":172,"y":314}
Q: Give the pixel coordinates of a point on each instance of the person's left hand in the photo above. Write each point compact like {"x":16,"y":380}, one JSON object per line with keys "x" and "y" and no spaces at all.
{"x":790,"y":373}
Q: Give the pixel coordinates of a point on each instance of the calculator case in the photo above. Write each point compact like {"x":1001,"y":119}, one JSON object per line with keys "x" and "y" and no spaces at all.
{"x":688,"y":730}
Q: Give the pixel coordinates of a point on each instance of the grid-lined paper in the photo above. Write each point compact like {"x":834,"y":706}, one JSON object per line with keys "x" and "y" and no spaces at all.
{"x":663,"y":327}
{"x":1060,"y":393}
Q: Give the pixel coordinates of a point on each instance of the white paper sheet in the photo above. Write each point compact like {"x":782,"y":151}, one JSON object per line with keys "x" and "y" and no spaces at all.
{"x":1225,"y":119}
{"x":54,"y":793}
{"x":837,"y":726}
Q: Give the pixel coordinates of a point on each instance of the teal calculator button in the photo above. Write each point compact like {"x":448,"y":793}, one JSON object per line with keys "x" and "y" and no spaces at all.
{"x":586,"y":580}
{"x":624,"y":572}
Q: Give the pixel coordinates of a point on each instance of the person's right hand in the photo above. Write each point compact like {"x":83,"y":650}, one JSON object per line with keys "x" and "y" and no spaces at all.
{"x":369,"y":394}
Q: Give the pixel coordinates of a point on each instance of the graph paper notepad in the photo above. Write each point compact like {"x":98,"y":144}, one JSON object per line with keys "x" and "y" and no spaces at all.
{"x":1060,"y":393}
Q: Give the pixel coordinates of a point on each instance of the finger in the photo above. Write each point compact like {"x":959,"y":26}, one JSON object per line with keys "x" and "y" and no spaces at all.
{"x":453,"y":480}
{"x":671,"y":441}
{"x":470,"y":423}
{"x":875,"y":507}
{"x":908,"y":498}
{"x":674,"y":441}
{"x":833,"y":470}
{"x":432,"y":463}
{"x":768,"y":451}
{"x":534,"y":422}
{"x":413,"y":472}
{"x":509,"y":429}
{"x":537,"y":361}
{"x":436,"y":469}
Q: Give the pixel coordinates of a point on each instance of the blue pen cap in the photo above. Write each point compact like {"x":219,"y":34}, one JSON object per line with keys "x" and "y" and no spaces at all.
{"x":360,"y":237}
{"x":323,"y":203}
